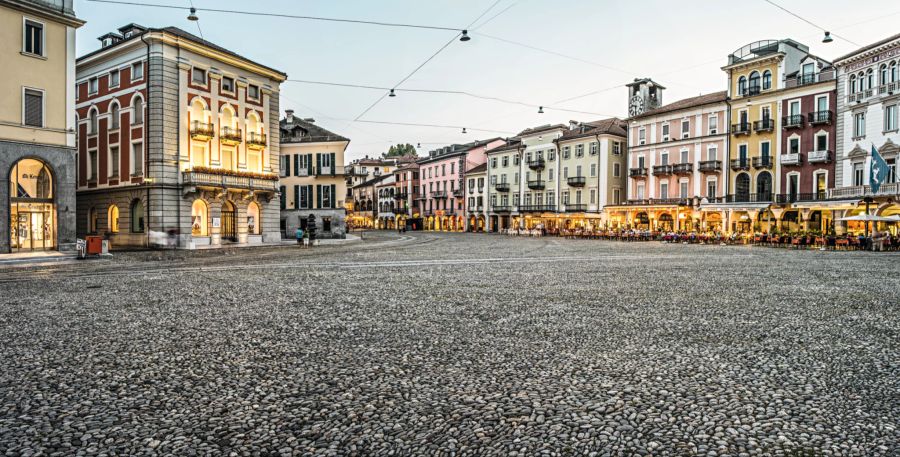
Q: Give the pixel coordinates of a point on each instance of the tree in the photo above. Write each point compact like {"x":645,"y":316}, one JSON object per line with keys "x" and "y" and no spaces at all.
{"x":400,"y":150}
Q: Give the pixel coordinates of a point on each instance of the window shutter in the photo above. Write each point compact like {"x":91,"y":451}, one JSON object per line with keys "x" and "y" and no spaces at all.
{"x":296,"y":196}
{"x":333,"y":199}
{"x":333,"y":165}
{"x":296,"y":166}
{"x":309,"y":164}
{"x":283,"y":196}
{"x":318,"y":164}
{"x":309,"y":195}
{"x":34,"y":108}
{"x":318,"y":194}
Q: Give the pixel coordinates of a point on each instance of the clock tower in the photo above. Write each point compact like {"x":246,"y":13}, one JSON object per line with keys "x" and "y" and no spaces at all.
{"x":643,"y":95}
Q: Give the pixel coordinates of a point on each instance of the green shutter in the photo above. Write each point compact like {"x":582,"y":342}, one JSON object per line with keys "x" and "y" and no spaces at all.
{"x":333,"y":199}
{"x":318,"y":164}
{"x":309,"y":195}
{"x":318,"y":195}
{"x":309,"y":164}
{"x":296,"y":197}
{"x":333,"y":166}
{"x":283,"y":197}
{"x":296,"y":166}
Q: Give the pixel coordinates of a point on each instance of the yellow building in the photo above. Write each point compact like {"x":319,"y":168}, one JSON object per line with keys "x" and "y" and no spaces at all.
{"x":37,"y":125}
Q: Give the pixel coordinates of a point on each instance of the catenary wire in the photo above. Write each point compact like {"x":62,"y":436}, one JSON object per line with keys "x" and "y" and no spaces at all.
{"x":807,"y":21}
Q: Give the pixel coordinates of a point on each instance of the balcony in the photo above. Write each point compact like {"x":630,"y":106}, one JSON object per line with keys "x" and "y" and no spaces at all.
{"x":683,"y":168}
{"x":740,"y":164}
{"x":762,"y":162}
{"x":743,"y":128}
{"x":819,"y":156}
{"x":256,"y":140}
{"x":537,"y":184}
{"x":791,"y":159}
{"x":228,"y":179}
{"x":576,"y":181}
{"x":800,"y":197}
{"x":502,"y":208}
{"x":536,"y":208}
{"x":889,"y":189}
{"x":439,"y":194}
{"x":764,"y":125}
{"x":501,"y":187}
{"x":230,"y":135}
{"x":805,"y":80}
{"x":640,"y":172}
{"x":459,"y":193}
{"x":794,"y":121}
{"x":661,"y":170}
{"x":202,"y":131}
{"x":708,"y":166}
{"x":400,"y":195}
{"x":658,"y":201}
{"x":400,"y":211}
{"x":576,"y":207}
{"x":475,"y":209}
{"x":418,"y":197}
{"x":749,"y":198}
{"x":820,"y":117}
{"x":889,"y":88}
{"x":752,"y":90}
{"x":536,"y":164}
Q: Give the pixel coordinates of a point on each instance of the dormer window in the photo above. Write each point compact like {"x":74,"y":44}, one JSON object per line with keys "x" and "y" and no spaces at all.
{"x":107,"y":42}
{"x":129,"y":34}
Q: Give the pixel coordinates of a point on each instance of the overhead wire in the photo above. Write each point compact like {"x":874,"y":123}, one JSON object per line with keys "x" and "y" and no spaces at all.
{"x":808,"y":21}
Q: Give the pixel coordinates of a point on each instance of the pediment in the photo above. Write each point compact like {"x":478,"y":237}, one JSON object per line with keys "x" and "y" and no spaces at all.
{"x":857,"y":152}
{"x":889,"y":147}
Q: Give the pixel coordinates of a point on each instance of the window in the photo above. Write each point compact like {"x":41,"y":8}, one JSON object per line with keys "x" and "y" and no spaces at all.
{"x":565,"y":152}
{"x":685,"y":129}
{"x":92,"y":86}
{"x":113,"y":161}
{"x":663,"y":190}
{"x":617,"y":196}
{"x":858,"y":174}
{"x":853,"y":88}
{"x":764,"y":149}
{"x":113,"y":218}
{"x":766,"y":113}
{"x":516,"y":160}
{"x":594,"y":148}
{"x":665,"y":132}
{"x":664,"y":158}
{"x":822,"y":142}
{"x":890,"y":118}
{"x":326,"y":196}
{"x":892,"y":170}
{"x":642,"y":136}
{"x":137,"y":159}
{"x":794,"y":145}
{"x":505,"y":161}
{"x":578,"y":171}
{"x":137,"y":217}
{"x":767,"y":80}
{"x":593,"y":169}
{"x":713,"y":124}
{"x":114,"y":78}
{"x":493,"y":162}
{"x":742,"y":85}
{"x":593,"y":196}
{"x":227,"y":159}
{"x":684,"y":156}
{"x":92,"y":165}
{"x":870,"y":79}
{"x":198,"y":76}
{"x":137,"y":111}
{"x":114,"y":116}
{"x":93,"y":125}
{"x":683,"y":189}
{"x":227,"y":84}
{"x":253,"y":92}
{"x":754,"y":82}
{"x":640,"y":191}
{"x":550,"y":174}
{"x":822,"y":103}
{"x":34,"y":38}
{"x":794,"y":108}
{"x":883,"y":74}
{"x":859,"y":125}
{"x":137,"y":71}
{"x":33,"y":108}
{"x":551,"y":154}
{"x":579,"y":150}
{"x":712,"y":153}
{"x":617,"y":148}
{"x":617,"y":170}
{"x":711,"y":189}
{"x":565,"y":172}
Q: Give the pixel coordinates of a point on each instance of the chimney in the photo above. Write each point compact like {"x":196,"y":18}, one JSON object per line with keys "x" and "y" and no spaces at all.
{"x":290,"y":114}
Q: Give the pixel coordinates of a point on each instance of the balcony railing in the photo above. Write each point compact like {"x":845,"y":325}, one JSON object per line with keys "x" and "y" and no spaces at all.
{"x":231,"y":135}
{"x":762,"y":162}
{"x":576,"y":181}
{"x":743,"y":128}
{"x":419,"y":197}
{"x":800,"y":197}
{"x":793,"y":121}
{"x":889,"y":88}
{"x":764,"y":125}
{"x":458,"y":193}
{"x":640,"y":172}
{"x":659,"y":170}
{"x":804,"y":80}
{"x":475,"y":209}
{"x":439,"y":194}
{"x":400,"y":195}
{"x":819,"y":156}
{"x":658,"y":201}
{"x":537,"y":184}
{"x":501,"y":187}
{"x":225,"y":180}
{"x":751,"y":90}
{"x":536,"y":208}
{"x":820,"y":117}
{"x":683,"y":168}
{"x":740,"y":164}
{"x":576,"y":207}
{"x":791,"y":159}
{"x":536,"y":164}
{"x":256,"y":140}
{"x":502,"y":208}
{"x":749,"y":198}
{"x":890,"y":189}
{"x":710,"y":165}
{"x":201,"y":130}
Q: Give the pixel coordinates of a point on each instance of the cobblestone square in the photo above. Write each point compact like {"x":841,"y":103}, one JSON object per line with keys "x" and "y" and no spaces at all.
{"x":454,"y":344}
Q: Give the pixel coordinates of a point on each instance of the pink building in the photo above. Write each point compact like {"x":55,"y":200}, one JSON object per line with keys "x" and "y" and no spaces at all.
{"x":441,"y":198}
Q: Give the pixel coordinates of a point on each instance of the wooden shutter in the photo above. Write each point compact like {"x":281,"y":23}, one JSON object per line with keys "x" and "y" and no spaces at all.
{"x":283,"y":197}
{"x":309,"y":195}
{"x":333,"y":199}
{"x":318,"y":164}
{"x":296,"y":166}
{"x":34,"y":108}
{"x":296,"y":196}
{"x":318,"y":195}
{"x":333,"y":165}
{"x":309,"y":164}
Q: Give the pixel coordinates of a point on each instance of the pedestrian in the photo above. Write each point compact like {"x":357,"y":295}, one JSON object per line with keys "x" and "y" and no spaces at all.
{"x":299,"y":235}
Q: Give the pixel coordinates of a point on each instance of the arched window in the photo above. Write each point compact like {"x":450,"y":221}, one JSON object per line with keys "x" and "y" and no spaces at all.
{"x":763,"y":186}
{"x":137,"y":110}
{"x":253,"y":124}
{"x":198,"y":110}
{"x":853,"y":86}
{"x":742,"y":187}
{"x":227,"y":119}
{"x":870,"y":79}
{"x":894,"y":75}
{"x":93,"y":218}
{"x":137,"y":216}
{"x":767,"y":80}
{"x":113,"y":218}
{"x":754,"y":82}
{"x":883,"y":74}
{"x":742,"y":85}
{"x":114,"y":115}
{"x":199,"y":217}
{"x":253,"y":221}
{"x":93,"y":124}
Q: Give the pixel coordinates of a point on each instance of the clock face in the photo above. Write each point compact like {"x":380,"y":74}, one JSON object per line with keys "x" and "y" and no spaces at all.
{"x":636,"y":106}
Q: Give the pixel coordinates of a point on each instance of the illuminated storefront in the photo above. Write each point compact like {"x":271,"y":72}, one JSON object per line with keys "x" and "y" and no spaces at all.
{"x":31,"y":207}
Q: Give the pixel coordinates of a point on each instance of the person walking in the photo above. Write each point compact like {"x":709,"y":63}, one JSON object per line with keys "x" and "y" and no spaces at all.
{"x":299,"y":235}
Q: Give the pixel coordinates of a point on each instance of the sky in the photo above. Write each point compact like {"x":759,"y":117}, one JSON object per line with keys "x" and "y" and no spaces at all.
{"x":539,"y":52}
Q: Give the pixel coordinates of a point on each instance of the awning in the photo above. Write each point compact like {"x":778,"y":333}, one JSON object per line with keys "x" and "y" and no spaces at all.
{"x":827,"y":204}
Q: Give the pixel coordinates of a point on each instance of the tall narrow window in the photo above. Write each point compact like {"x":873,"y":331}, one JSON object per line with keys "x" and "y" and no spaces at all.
{"x":33,"y":111}
{"x":137,"y":111}
{"x":113,"y":161}
{"x":137,"y":159}
{"x":34,"y":38}
{"x":114,"y":116}
{"x":114,"y":78}
{"x":137,"y":71}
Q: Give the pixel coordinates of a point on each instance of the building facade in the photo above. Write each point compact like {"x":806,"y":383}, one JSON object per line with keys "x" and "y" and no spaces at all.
{"x":312,"y":178}
{"x":868,"y":100}
{"x":406,"y":195}
{"x":675,"y":165}
{"x":385,"y":190}
{"x":476,"y":197}
{"x":37,"y":125}
{"x":176,"y":134}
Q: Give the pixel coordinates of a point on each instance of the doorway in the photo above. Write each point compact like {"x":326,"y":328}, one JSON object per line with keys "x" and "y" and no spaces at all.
{"x":31,"y":209}
{"x":229,"y":231}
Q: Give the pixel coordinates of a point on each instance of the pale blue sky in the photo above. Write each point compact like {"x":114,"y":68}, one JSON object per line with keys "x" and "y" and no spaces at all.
{"x":682,"y":47}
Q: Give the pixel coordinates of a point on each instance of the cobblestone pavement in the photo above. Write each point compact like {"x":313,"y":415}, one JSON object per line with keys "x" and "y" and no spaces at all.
{"x":452,"y":344}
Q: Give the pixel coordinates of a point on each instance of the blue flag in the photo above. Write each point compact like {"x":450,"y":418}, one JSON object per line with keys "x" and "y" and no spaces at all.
{"x":878,"y":171}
